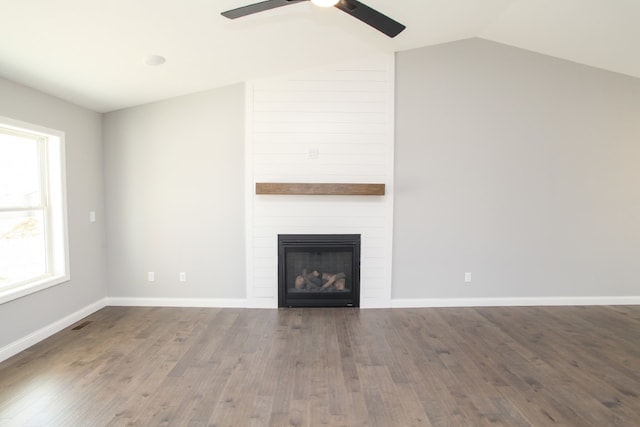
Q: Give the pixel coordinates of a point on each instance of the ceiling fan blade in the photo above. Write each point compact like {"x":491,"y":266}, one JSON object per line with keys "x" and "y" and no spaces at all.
{"x":257,"y":7}
{"x":371,"y":17}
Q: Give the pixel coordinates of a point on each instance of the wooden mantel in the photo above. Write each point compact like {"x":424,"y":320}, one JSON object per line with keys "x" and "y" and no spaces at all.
{"x":319,"y":189}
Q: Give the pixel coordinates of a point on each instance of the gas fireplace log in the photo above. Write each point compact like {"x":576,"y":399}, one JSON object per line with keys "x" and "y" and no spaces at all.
{"x":317,"y":281}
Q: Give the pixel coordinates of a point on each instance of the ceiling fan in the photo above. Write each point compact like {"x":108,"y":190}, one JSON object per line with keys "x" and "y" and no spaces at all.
{"x":353,"y":7}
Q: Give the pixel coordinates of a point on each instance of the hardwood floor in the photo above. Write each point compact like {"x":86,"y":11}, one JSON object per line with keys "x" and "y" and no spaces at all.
{"x":534,"y":366}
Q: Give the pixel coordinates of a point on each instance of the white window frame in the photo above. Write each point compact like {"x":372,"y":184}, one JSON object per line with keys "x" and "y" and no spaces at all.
{"x":52,"y":152}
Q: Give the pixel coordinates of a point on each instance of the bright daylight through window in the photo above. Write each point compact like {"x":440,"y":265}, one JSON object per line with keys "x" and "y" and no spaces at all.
{"x":33,"y":237}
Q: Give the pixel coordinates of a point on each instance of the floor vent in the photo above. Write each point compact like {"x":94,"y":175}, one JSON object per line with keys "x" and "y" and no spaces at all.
{"x":81,"y":325}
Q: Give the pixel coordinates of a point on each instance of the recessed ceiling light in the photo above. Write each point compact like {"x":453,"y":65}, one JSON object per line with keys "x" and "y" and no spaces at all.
{"x":155,"y":60}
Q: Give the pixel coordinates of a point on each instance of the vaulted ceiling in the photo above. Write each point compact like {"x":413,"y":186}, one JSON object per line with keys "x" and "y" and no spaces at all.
{"x":92,"y":52}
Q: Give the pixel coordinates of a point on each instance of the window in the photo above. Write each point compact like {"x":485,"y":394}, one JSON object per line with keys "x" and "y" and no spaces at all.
{"x":33,"y":235}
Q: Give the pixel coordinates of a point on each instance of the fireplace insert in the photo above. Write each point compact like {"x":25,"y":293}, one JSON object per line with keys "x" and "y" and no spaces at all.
{"x":318,"y":270}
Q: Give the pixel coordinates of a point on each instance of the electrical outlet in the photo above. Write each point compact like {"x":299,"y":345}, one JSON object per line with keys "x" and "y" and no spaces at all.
{"x":92,"y":216}
{"x":183,"y":276}
{"x":467,"y":277}
{"x":151,"y":276}
{"x":314,"y":153}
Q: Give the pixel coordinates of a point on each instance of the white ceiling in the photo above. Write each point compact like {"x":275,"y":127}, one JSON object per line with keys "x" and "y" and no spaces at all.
{"x":91,"y":52}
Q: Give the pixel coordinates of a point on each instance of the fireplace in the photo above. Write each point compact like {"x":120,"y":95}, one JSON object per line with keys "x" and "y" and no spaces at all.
{"x":318,"y":270}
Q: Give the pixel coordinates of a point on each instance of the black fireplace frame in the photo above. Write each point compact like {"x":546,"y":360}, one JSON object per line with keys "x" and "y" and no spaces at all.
{"x":319,"y":243}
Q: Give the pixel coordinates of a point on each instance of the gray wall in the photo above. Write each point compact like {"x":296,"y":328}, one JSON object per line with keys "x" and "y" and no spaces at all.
{"x":82,"y":127}
{"x":520,"y":168}
{"x":175,"y":197}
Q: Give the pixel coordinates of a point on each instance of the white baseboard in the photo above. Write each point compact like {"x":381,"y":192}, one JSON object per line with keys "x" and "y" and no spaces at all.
{"x":512,"y":302}
{"x":396,"y":303}
{"x":178,"y":302}
{"x":44,"y":333}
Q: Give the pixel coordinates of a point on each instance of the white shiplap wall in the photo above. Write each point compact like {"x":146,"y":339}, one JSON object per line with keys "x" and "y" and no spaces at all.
{"x":325,"y":125}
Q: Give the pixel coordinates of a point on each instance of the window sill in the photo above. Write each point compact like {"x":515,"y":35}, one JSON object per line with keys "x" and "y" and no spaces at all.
{"x":33,"y":286}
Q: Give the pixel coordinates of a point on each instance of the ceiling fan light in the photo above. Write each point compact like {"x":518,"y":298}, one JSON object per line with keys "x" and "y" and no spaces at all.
{"x":325,"y":3}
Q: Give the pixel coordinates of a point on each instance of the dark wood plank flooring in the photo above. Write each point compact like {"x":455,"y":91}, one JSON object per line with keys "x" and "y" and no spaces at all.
{"x":516,"y":366}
